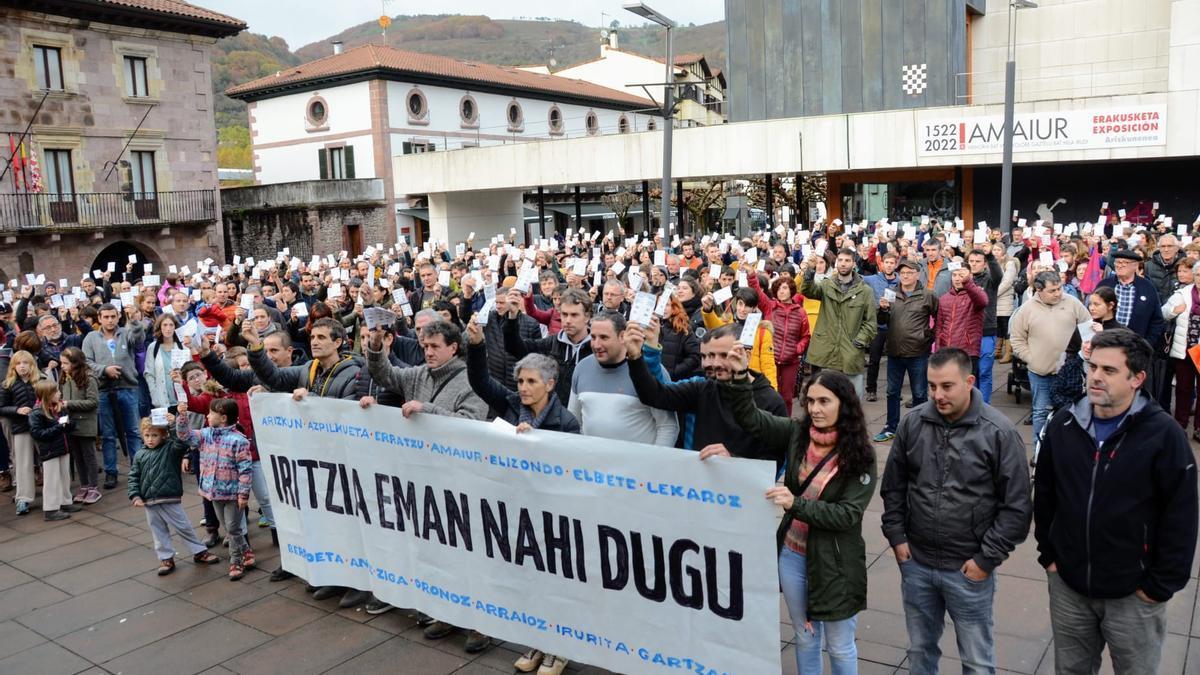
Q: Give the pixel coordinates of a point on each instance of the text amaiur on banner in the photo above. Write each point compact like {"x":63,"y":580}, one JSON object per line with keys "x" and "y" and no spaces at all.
{"x":636,"y":558}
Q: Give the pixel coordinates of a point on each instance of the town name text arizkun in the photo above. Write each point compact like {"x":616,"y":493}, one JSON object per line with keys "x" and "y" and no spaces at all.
{"x":682,"y":570}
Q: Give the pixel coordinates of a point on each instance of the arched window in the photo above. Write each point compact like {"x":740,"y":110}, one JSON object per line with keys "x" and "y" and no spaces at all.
{"x":468,"y":111}
{"x":417,"y":106}
{"x":623,"y":125}
{"x":515,"y":116}
{"x":316,"y":113}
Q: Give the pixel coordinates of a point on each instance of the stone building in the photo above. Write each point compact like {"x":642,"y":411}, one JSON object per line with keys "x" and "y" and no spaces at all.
{"x":117,"y":98}
{"x":314,"y":217}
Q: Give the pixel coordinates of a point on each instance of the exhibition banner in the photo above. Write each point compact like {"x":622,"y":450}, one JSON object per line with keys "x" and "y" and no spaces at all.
{"x":636,"y":558}
{"x":1087,"y":129}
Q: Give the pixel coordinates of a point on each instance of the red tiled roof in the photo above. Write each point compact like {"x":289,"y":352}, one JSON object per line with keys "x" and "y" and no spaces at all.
{"x":372,"y":57}
{"x":176,"y":8}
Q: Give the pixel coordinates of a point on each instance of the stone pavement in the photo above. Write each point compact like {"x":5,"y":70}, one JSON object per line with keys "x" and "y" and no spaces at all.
{"x":82,"y":596}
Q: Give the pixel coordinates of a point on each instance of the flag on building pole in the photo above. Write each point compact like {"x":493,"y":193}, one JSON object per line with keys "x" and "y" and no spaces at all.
{"x":14,"y":163}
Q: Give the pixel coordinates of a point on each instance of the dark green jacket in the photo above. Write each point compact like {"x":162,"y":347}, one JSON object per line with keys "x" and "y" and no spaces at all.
{"x":836,"y":553}
{"x":156,"y":474}
{"x":846,"y":325}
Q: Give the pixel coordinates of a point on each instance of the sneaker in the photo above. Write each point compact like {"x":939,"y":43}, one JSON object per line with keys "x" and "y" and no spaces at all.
{"x":438,"y":630}
{"x":354,"y":598}
{"x":236,"y":571}
{"x":477,"y":642}
{"x":871,"y":397}
{"x":552,"y":665}
{"x":377,"y":606}
{"x":263,"y":522}
{"x":93,"y":495}
{"x":424,"y":619}
{"x":22,"y":508}
{"x":281,"y":575}
{"x":205,"y":558}
{"x":57,"y":514}
{"x":166,"y":566}
{"x":79,"y":495}
{"x":884,"y":436}
{"x":212,"y":539}
{"x":910,"y":403}
{"x":529,"y":661}
{"x":110,"y":481}
{"x":71,"y":508}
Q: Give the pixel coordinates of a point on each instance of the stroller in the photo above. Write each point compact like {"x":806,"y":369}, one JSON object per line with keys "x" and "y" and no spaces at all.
{"x":1018,"y":379}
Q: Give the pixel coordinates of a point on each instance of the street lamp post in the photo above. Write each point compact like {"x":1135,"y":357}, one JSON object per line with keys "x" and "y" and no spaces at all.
{"x":1010,"y":90}
{"x":645,"y":12}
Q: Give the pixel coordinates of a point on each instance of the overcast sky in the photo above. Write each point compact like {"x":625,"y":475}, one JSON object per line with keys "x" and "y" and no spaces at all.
{"x":303,"y":21}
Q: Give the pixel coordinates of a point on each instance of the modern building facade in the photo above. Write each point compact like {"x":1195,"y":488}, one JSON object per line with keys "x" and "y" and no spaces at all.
{"x":120,"y":154}
{"x":345,"y":116}
{"x":1108,"y":81}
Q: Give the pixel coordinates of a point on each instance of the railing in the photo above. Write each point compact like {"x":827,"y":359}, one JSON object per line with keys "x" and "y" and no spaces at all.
{"x":92,"y":210}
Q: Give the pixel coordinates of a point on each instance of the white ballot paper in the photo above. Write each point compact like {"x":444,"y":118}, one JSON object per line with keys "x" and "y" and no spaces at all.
{"x":643,"y":308}
{"x":664,"y":301}
{"x":750,"y":329}
{"x":378,"y":317}
{"x":722,"y":295}
{"x":158,"y":417}
{"x":180,"y":357}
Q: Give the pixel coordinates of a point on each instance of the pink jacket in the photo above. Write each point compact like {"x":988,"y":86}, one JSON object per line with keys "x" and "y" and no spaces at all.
{"x":960,"y":318}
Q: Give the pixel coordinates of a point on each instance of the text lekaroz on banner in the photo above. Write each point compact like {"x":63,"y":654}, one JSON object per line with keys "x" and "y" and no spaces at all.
{"x":632,"y":557}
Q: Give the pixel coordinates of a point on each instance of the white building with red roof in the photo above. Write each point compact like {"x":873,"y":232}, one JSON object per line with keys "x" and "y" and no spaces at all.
{"x":346,"y":115}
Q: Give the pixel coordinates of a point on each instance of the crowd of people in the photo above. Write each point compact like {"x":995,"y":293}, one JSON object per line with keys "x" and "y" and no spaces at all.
{"x":763,"y":347}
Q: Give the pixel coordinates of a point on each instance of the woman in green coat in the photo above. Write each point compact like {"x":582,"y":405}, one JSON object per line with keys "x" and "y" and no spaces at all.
{"x":828,"y":480}
{"x":81,"y":397}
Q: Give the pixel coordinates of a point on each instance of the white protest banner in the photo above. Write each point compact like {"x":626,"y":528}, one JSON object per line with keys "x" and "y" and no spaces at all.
{"x":531,"y":538}
{"x":1086,"y":129}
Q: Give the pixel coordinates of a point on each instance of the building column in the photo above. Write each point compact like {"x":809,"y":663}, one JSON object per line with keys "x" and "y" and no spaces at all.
{"x":454,"y":215}
{"x":578,"y":211}
{"x":770,"y":183}
{"x":681,"y":228}
{"x":541,"y":214}
{"x":646,"y":219}
{"x":833,"y":197}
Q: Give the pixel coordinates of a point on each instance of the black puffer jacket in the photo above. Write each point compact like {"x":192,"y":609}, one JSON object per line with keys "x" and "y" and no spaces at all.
{"x":507,"y":403}
{"x":12,"y":398}
{"x":48,"y":434}
{"x":680,"y":353}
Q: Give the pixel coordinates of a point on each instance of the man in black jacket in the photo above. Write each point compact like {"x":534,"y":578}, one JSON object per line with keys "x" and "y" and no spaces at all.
{"x":712,"y":430}
{"x":956,"y":503}
{"x":1115,"y":513}
{"x":571,"y":345}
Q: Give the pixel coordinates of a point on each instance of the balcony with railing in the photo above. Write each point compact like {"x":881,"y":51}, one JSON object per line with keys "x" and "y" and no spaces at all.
{"x":98,"y":210}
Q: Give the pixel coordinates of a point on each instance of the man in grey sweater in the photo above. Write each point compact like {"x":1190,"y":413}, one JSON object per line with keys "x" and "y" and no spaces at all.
{"x":110,"y":354}
{"x":438,"y":387}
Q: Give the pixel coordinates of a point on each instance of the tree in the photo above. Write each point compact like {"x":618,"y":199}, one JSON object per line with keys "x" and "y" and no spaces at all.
{"x":620,"y":203}
{"x":699,"y":201}
{"x":234,"y":150}
{"x":812,"y":190}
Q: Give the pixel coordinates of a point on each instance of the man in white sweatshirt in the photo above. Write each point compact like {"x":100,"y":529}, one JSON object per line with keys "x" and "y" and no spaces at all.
{"x":602,"y":395}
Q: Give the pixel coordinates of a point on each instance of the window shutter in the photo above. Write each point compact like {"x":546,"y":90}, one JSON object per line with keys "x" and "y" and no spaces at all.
{"x":407,"y":148}
{"x":348,"y":153}
{"x":324,"y":162}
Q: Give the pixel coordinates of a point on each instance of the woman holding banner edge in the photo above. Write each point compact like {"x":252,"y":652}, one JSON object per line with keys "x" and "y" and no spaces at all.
{"x":828,"y":480}
{"x":533,"y":406}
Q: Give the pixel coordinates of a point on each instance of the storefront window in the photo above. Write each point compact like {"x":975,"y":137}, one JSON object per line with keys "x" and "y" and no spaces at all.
{"x":899,"y":201}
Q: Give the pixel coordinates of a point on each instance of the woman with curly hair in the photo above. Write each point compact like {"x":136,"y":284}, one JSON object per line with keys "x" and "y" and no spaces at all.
{"x":783,"y":306}
{"x":828,"y":479}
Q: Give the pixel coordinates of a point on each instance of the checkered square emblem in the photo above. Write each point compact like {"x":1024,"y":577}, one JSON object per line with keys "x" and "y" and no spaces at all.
{"x":914,"y":78}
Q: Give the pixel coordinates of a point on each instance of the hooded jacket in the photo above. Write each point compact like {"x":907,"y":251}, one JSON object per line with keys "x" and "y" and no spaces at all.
{"x":846,"y":326}
{"x":956,"y":491}
{"x":49,"y":436}
{"x":557,"y":346}
{"x":1121,"y":516}
{"x":338,"y":383}
{"x":790,"y":321}
{"x":155,"y":474}
{"x":714,"y":420}
{"x":960,"y":317}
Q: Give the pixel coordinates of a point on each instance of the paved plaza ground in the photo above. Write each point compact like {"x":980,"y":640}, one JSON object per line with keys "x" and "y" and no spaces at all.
{"x":82,"y":596}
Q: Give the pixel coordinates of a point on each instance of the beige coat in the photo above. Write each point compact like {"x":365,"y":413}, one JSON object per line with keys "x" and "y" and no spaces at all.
{"x":1039,"y":332}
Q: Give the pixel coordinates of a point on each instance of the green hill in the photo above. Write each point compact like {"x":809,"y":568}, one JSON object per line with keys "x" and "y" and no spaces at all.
{"x":471,"y":38}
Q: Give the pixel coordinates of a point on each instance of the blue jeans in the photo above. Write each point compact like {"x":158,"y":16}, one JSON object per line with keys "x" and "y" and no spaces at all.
{"x":258,"y":485}
{"x":1042,"y":386}
{"x":987,"y":357}
{"x":918,"y":384}
{"x":928,"y":595}
{"x":838,"y":636}
{"x":127,"y":408}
